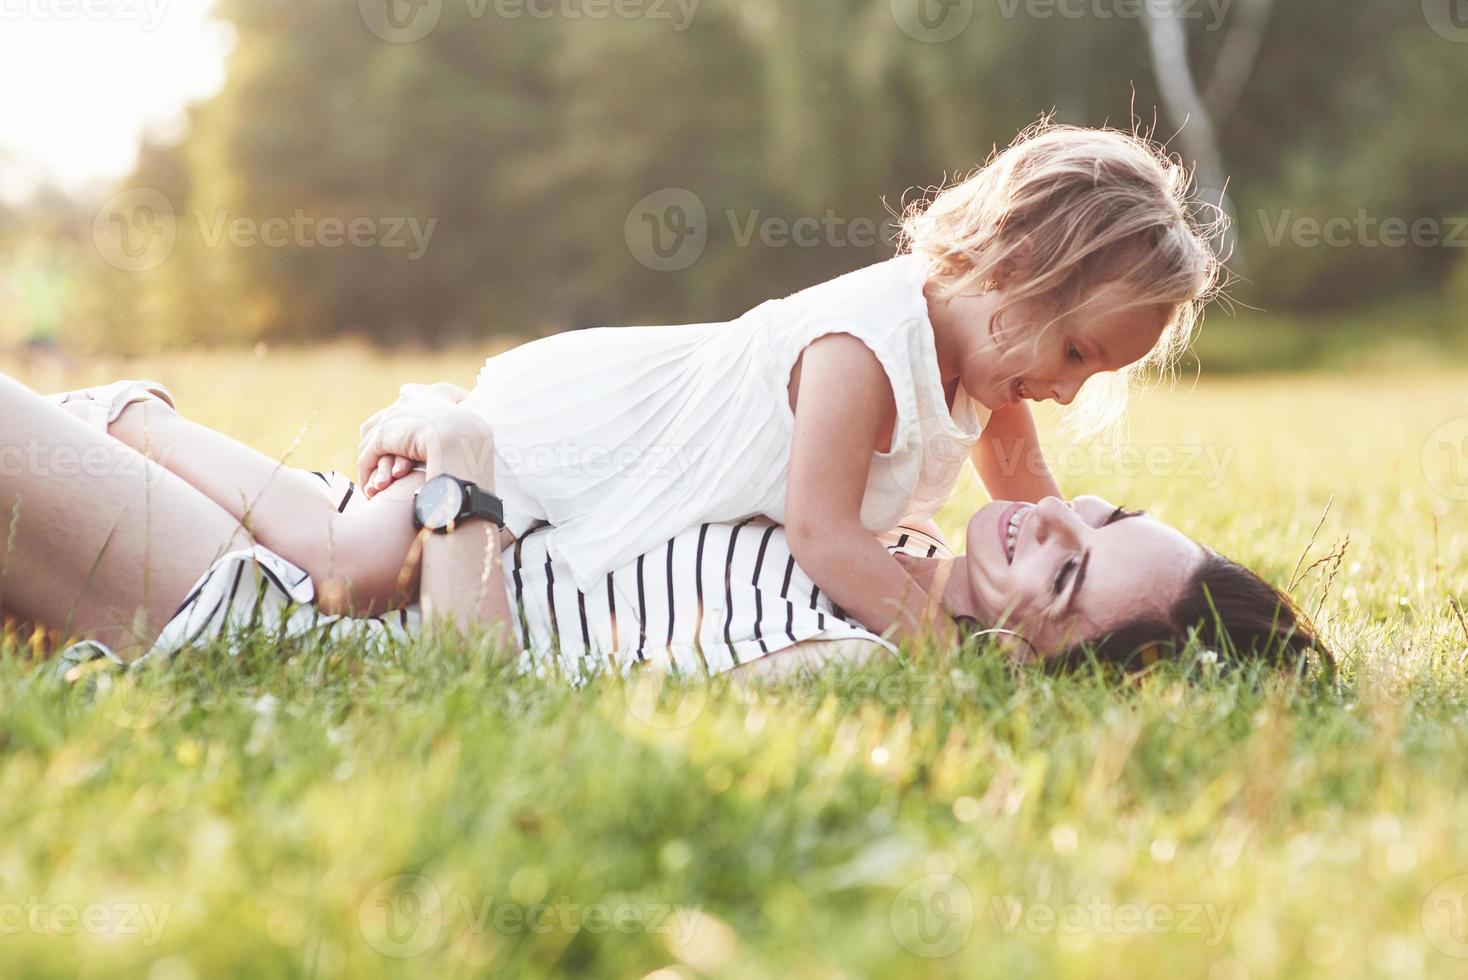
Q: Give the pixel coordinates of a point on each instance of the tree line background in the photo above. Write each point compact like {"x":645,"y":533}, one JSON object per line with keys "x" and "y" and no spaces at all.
{"x":529,"y":142}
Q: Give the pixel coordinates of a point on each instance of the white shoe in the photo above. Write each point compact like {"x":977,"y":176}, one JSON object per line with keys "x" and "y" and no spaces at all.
{"x":84,"y":652}
{"x":104,"y":403}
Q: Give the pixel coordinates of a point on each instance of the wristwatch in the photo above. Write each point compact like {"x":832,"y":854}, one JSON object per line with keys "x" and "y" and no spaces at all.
{"x":447,"y":501}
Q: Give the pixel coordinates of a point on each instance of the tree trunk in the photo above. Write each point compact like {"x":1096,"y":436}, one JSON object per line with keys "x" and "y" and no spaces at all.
{"x":1168,"y":40}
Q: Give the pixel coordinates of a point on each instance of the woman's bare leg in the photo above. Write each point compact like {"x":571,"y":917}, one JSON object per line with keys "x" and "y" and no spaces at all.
{"x":98,"y":541}
{"x":359,"y":560}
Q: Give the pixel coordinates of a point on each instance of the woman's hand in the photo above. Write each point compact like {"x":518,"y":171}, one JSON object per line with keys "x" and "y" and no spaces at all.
{"x":390,"y":468}
{"x":430,"y":430}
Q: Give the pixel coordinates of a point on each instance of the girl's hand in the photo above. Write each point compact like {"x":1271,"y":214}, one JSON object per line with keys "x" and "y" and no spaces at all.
{"x":430,"y":431}
{"x":391,"y":468}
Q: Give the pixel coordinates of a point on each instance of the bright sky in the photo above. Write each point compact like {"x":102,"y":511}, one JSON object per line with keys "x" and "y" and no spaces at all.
{"x":84,"y":80}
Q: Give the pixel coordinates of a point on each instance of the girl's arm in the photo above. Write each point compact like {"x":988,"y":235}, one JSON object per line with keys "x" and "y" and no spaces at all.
{"x":844,"y":412}
{"x":1008,"y":458}
{"x":389,"y":469}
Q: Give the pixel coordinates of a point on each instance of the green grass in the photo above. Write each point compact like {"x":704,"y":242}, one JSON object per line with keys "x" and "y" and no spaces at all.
{"x":261,"y":816}
{"x":1400,"y":333}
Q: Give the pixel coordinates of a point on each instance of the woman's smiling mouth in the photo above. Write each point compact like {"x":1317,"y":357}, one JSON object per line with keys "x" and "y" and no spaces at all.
{"x":1010,"y":522}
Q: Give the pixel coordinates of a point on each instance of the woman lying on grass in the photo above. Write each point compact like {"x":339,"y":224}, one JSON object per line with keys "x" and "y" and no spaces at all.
{"x":147,"y":546}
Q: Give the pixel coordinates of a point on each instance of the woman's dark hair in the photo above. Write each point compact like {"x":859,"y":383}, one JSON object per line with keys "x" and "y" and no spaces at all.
{"x":1225,"y":608}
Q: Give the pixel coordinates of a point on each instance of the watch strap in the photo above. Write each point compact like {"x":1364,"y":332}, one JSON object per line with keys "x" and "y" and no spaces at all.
{"x":479,"y":502}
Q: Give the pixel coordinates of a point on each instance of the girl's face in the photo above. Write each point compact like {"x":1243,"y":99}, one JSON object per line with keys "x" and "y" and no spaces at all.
{"x":1021,"y":355}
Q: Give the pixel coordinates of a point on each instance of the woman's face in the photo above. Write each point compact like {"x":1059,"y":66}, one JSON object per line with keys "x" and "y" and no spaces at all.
{"x":1065,"y":573}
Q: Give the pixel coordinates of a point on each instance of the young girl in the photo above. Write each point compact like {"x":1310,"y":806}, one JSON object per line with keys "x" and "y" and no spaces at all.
{"x":843,"y":409}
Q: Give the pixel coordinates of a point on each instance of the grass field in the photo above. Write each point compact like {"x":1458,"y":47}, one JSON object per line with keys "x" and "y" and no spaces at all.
{"x":297,"y":814}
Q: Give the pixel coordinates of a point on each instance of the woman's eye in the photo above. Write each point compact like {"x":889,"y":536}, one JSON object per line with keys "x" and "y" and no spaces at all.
{"x":1073,"y":354}
{"x":1121,"y":514}
{"x":1065,"y":571}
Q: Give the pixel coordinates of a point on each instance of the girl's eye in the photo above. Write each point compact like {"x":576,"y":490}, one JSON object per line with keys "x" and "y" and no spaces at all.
{"x":1073,"y":354}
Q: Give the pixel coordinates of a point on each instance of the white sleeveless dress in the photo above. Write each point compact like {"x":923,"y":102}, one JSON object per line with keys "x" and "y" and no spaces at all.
{"x":622,"y":437}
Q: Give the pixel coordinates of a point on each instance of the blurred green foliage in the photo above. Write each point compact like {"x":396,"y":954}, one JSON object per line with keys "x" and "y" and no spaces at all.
{"x":521,"y":134}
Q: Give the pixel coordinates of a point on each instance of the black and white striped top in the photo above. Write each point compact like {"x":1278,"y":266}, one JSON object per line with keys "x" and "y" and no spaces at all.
{"x":712,"y":598}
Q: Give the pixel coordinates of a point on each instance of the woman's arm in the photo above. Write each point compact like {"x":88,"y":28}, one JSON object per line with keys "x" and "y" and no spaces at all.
{"x":463,"y":580}
{"x":844,"y":411}
{"x":1008,"y":459}
{"x":357,"y":559}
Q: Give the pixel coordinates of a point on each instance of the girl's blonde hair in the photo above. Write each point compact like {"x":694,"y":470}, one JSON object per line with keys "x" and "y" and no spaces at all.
{"x":1064,"y":212}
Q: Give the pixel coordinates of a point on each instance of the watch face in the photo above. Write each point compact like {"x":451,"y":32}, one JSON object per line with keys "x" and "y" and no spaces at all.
{"x":439,"y":502}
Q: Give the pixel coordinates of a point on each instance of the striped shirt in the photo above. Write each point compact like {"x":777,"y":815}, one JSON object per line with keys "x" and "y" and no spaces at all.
{"x":711,"y":598}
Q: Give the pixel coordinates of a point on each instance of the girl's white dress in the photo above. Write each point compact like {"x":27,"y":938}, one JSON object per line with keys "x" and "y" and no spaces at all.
{"x":622,"y":437}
